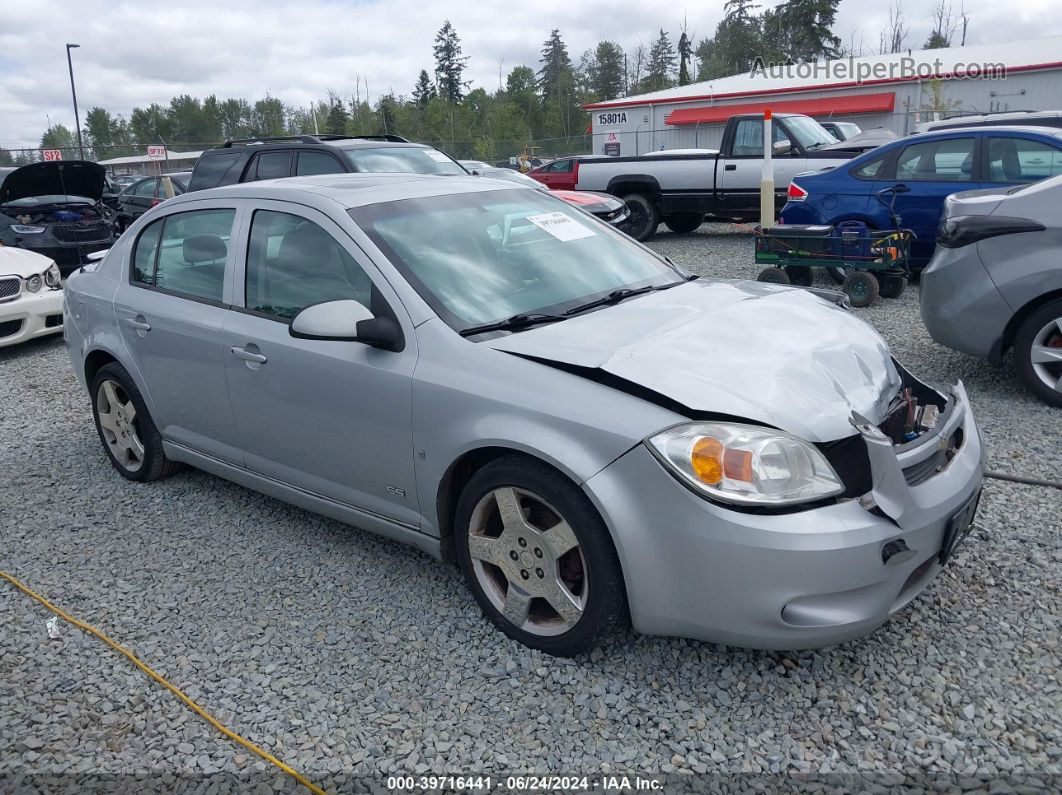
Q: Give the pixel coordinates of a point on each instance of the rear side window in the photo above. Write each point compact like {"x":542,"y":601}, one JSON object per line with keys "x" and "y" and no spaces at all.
{"x":185,"y":253}
{"x":292,"y":263}
{"x":944,"y":161}
{"x":1021,"y":160}
{"x":748,"y":137}
{"x":560,"y":166}
{"x":272,"y":165}
{"x":212,"y":170}
{"x":149,"y":187}
{"x":317,"y":163}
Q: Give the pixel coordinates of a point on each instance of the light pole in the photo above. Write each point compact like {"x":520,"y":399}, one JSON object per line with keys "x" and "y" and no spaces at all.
{"x":73,"y":91}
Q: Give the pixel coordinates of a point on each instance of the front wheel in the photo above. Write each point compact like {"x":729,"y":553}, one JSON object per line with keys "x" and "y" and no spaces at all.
{"x":1038,"y":353}
{"x":684,"y":223}
{"x":861,"y":288}
{"x":644,"y":218}
{"x":538,"y":558}
{"x":773,"y":276}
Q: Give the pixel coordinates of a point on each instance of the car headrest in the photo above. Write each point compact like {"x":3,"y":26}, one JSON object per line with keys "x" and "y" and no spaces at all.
{"x":302,"y":248}
{"x":204,"y":248}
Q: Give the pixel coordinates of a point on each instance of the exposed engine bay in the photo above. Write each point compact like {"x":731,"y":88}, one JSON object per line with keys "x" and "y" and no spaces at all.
{"x":61,"y":213}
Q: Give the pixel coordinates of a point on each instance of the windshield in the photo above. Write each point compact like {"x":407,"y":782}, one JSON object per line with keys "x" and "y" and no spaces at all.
{"x":808,"y":132}
{"x":481,"y":257}
{"x":403,"y":160}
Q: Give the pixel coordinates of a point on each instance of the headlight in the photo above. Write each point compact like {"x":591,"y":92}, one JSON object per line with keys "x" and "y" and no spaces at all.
{"x":22,"y":229}
{"x":33,"y":283}
{"x":746,"y":464}
{"x":52,"y":276}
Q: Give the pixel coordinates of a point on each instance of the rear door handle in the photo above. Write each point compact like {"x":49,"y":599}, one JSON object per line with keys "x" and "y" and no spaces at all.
{"x":247,"y":356}
{"x":730,"y":167}
{"x":138,"y":323}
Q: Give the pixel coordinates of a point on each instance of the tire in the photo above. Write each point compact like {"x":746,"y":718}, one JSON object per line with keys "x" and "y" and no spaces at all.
{"x":773,"y":276}
{"x":585,"y":580}
{"x":644,"y":217}
{"x":120,"y":432}
{"x":892,"y":285}
{"x":1038,"y":337}
{"x":684,"y":223}
{"x":861,"y":288}
{"x":838,"y":275}
{"x":800,"y":275}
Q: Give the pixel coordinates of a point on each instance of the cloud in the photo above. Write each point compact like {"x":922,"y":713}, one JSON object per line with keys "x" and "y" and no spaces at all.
{"x":136,"y":53}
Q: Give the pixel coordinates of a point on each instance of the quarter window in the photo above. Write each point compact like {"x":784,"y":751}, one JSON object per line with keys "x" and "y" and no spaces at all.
{"x":1022,"y":160}
{"x":185,"y":253}
{"x":293,"y":262}
{"x":560,"y":166}
{"x":950,"y":160}
{"x":872,"y":169}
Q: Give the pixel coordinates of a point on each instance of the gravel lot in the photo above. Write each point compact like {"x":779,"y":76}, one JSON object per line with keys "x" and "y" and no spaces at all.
{"x":345,"y":655}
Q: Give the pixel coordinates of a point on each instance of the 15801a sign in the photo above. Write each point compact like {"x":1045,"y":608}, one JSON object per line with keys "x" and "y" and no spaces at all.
{"x":607,"y":119}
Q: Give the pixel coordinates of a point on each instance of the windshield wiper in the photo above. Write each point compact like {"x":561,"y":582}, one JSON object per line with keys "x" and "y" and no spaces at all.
{"x":618,"y":295}
{"x":514,"y":323}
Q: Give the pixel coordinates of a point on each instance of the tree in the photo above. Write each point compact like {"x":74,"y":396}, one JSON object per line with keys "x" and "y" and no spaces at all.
{"x":5,"y":158}
{"x":336,"y":120}
{"x":385,"y":110}
{"x":606,"y":80}
{"x":99,"y":130}
{"x":944,"y":26}
{"x":685,"y":54}
{"x":805,"y":28}
{"x":269,"y":116}
{"x":936,"y":41}
{"x":893,"y":38}
{"x":57,"y":137}
{"x":449,"y":64}
{"x":555,"y":76}
{"x":661,"y":64}
{"x":424,"y":90}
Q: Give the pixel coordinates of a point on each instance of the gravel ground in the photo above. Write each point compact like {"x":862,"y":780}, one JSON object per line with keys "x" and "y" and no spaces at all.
{"x":345,"y":654}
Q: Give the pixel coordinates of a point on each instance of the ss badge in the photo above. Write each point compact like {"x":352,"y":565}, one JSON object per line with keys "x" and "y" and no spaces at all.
{"x":397,"y":491}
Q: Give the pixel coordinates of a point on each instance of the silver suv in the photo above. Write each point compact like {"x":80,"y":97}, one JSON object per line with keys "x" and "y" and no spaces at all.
{"x":498,"y":378}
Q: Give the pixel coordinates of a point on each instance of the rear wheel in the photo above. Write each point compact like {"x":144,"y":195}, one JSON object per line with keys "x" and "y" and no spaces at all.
{"x":800,"y":275}
{"x":129,"y":435}
{"x":861,"y":288}
{"x":892,"y":285}
{"x":644,"y":218}
{"x":538,"y":558}
{"x":1038,"y":353}
{"x":773,"y":275}
{"x":684,"y":223}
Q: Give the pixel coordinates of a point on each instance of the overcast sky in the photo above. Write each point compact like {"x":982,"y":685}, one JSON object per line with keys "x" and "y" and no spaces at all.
{"x":136,"y":52}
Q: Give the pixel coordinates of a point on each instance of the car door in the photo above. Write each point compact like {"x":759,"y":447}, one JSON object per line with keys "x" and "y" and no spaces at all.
{"x":559,"y":175}
{"x":170,"y":309}
{"x":1015,"y":160}
{"x":140,"y":197}
{"x":330,"y":417}
{"x":925,"y":174}
{"x":270,"y":165}
{"x":738,"y":173}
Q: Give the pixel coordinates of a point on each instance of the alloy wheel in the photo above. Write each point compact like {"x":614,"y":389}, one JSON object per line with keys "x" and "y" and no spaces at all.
{"x":528,"y":561}
{"x":1046,"y":354}
{"x":118,"y":421}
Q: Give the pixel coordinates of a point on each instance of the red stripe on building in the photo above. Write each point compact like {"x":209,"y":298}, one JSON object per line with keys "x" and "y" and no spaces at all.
{"x":853,"y":103}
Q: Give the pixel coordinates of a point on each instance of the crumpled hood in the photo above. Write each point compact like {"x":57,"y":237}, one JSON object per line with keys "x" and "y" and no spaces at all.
{"x":777,"y":355}
{"x":54,"y":178}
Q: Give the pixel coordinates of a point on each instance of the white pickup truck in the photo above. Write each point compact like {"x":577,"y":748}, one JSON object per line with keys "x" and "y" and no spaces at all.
{"x":680,"y":189}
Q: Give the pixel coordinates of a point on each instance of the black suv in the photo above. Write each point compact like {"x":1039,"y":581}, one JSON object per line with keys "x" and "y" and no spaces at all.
{"x":250,"y":159}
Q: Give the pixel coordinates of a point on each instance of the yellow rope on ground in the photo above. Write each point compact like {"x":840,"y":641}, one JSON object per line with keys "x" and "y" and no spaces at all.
{"x":198,"y":710}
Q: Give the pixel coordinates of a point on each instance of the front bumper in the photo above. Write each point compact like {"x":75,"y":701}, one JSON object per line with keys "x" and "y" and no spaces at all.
{"x":31,"y":315}
{"x":697,"y":569}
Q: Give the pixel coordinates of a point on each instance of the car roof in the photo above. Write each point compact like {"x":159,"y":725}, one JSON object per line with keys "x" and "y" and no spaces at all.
{"x":1050,"y":132}
{"x":351,"y":190}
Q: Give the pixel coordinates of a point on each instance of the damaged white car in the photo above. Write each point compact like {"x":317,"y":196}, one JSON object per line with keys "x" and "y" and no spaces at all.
{"x":31,"y":296}
{"x":496,"y":377}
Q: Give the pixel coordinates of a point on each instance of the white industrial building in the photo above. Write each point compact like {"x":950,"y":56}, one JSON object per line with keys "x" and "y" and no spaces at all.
{"x":143,"y":164}
{"x":894,"y":91}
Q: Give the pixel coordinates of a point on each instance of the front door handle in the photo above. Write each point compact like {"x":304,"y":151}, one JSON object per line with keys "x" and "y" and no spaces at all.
{"x":247,"y":356}
{"x":138,"y":323}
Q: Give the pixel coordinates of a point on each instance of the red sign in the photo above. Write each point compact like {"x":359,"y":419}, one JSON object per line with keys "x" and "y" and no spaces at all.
{"x":52,"y":154}
{"x":156,"y":152}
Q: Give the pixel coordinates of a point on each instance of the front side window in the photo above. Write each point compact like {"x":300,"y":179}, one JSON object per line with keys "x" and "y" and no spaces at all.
{"x":402,"y":160}
{"x":1022,"y":160}
{"x":185,"y":253}
{"x":950,"y":160}
{"x":486,"y":256}
{"x":293,"y":262}
{"x":317,"y":163}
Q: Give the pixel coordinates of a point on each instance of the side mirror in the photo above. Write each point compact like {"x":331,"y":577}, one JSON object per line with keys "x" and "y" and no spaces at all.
{"x":780,"y":148}
{"x":346,"y":320}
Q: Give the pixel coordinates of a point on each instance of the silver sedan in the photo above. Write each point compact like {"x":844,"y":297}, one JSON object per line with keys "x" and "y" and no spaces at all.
{"x":496,"y":377}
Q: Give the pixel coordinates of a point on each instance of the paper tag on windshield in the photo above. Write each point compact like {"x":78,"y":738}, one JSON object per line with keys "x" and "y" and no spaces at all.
{"x":560,"y":226}
{"x":437,"y":156}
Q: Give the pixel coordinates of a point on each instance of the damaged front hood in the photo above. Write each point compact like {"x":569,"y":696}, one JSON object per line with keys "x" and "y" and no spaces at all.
{"x":776,"y":355}
{"x":54,"y":178}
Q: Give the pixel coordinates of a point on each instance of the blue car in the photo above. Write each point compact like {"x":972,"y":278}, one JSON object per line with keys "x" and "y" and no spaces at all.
{"x":919,"y":172}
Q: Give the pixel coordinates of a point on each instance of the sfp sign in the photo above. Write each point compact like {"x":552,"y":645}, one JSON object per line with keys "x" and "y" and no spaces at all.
{"x":609,"y":119}
{"x":52,"y":154}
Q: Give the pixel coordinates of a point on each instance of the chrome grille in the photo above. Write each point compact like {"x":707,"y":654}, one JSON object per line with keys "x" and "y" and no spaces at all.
{"x":10,"y":287}
{"x":81,"y":233}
